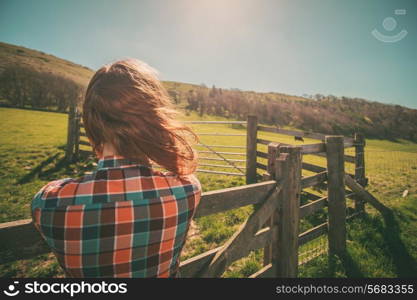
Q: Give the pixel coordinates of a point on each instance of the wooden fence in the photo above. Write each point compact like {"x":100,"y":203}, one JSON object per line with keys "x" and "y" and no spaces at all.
{"x":274,"y":224}
{"x":77,"y":137}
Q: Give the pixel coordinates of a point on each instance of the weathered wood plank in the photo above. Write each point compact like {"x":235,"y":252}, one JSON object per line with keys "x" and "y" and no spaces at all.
{"x":226,"y":153}
{"x":238,"y":243}
{"x":263,"y":142}
{"x":336,"y":194}
{"x":261,"y":154}
{"x":365,"y":195}
{"x":85,"y":143}
{"x":77,"y":133}
{"x":311,"y":135}
{"x":273,"y":151}
{"x":69,"y":151}
{"x":312,"y":233}
{"x":348,"y":143}
{"x":225,"y":199}
{"x":261,"y":166}
{"x":313,"y":148}
{"x":285,"y":254}
{"x":305,"y":149}
{"x":21,"y":240}
{"x":215,"y":122}
{"x":222,"y":146}
{"x":193,"y":266}
{"x":360,"y":167}
{"x":85,"y":152}
{"x":312,"y":168}
{"x":312,"y":207}
{"x":190,"y":267}
{"x":266,"y":272}
{"x":311,"y":196}
{"x":221,"y":134}
{"x":268,"y":247}
{"x":350,"y":195}
{"x":216,"y":166}
{"x":220,"y":172}
{"x":320,"y":154}
{"x":313,"y":180}
{"x":354,"y":215}
{"x":349,"y":158}
{"x":220,"y":159}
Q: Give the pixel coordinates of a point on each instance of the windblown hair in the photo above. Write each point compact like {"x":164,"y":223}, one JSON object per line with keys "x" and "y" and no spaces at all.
{"x":127,"y":106}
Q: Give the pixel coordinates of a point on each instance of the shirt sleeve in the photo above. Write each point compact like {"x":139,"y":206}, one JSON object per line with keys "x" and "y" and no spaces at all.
{"x":46,"y":190}
{"x":194,"y":180}
{"x":196,"y":187}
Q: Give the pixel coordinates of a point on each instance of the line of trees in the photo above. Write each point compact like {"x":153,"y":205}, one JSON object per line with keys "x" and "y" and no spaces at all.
{"x":24,"y":87}
{"x":326,"y":114}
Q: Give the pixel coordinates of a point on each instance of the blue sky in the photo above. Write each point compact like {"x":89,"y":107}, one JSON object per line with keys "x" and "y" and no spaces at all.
{"x":289,"y":46}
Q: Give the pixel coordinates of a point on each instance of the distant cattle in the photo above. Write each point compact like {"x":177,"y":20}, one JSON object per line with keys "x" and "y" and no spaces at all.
{"x":299,"y":138}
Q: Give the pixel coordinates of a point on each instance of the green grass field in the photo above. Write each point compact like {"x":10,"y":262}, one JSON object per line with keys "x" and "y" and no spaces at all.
{"x":32,"y":147}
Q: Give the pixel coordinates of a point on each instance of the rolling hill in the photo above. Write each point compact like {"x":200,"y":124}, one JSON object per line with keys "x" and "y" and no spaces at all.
{"x":40,"y":61}
{"x":19,"y":56}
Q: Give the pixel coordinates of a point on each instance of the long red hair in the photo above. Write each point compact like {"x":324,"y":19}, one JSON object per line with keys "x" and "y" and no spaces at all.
{"x":126,"y":106}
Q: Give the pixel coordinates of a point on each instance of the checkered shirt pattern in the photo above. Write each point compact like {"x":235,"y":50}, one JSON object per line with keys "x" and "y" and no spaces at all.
{"x":122,"y":220}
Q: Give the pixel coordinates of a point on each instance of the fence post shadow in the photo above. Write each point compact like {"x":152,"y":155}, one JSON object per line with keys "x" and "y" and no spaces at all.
{"x":348,"y":263}
{"x":37,"y":170}
{"x":405,"y":264}
{"x":61,"y":163}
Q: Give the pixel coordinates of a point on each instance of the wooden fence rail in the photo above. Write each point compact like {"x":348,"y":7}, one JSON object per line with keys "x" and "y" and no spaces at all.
{"x":222,"y":146}
{"x":225,"y":153}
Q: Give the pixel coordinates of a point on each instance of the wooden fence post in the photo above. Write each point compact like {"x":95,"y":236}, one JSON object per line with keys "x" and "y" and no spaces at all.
{"x":273,"y":151}
{"x":336,"y":194}
{"x":70,"y":133}
{"x":285,"y":250}
{"x":77,"y":133}
{"x":359,"y":141}
{"x":251,"y":136}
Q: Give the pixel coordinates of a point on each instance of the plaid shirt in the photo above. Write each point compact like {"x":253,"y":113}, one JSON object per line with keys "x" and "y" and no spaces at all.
{"x":123,"y":220}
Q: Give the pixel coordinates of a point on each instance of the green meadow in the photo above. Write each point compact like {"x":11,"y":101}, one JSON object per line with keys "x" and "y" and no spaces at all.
{"x":32,"y":147}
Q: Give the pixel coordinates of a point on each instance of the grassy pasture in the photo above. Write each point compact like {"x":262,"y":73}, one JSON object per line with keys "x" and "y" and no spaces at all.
{"x":32,"y":147}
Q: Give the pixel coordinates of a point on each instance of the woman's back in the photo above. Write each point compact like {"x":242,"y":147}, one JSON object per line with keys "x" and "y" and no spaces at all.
{"x":123,"y":220}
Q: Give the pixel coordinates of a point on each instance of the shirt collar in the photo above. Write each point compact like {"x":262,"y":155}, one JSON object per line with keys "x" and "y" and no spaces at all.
{"x":114,"y":161}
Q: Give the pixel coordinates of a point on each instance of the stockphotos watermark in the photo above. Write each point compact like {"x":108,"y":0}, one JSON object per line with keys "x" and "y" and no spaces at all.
{"x":71,"y":289}
{"x":390,"y":24}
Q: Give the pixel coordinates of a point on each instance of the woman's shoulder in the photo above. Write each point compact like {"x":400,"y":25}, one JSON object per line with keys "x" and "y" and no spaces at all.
{"x":189,"y":180}
{"x":53,"y":186}
{"x":53,"y":190}
{"x":193,"y":180}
